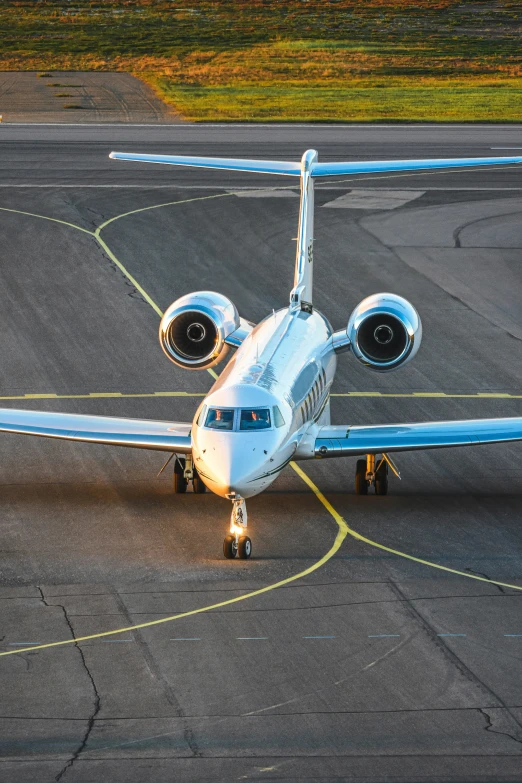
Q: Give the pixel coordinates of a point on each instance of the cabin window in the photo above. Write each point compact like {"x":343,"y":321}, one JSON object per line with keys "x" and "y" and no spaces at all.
{"x":255,"y":419}
{"x":220,"y":419}
{"x":278,"y":417}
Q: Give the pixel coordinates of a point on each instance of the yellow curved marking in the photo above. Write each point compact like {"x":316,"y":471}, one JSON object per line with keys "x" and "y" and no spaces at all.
{"x":45,"y":217}
{"x":358,"y":537}
{"x":157,"y":206}
{"x":343,"y":531}
{"x":106,"y":248}
{"x":341,"y":535}
{"x":120,"y":265}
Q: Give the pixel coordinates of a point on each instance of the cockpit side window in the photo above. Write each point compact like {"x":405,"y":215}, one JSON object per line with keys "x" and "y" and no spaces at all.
{"x":220,"y":419}
{"x":255,"y":419}
{"x":201,"y":417}
{"x":278,"y":417}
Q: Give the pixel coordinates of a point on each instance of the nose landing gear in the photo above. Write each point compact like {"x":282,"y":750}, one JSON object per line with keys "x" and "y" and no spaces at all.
{"x":237,"y":544}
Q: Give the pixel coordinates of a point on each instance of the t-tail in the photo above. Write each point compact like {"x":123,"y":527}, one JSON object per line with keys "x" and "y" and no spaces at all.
{"x":301,"y":293}
{"x":307,"y":170}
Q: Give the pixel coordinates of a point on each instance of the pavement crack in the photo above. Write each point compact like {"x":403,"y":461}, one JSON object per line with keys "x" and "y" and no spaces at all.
{"x":156,"y":673}
{"x":498,"y":704}
{"x":96,"y":696}
{"x":97,"y":217}
{"x":490,"y":726}
{"x":42,"y":597}
{"x":134,"y":293}
{"x":495,"y":323}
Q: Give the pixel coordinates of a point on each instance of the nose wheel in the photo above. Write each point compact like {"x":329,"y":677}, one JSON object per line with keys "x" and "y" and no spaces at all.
{"x":242,"y":548}
{"x":237,"y":544}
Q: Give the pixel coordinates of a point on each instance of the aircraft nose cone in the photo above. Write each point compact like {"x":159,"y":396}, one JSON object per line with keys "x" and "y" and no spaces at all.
{"x":232,"y":472}
{"x":228,"y":465}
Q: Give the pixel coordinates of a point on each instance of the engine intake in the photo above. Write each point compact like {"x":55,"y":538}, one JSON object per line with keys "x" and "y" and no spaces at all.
{"x":384,"y":332}
{"x":194,"y":328}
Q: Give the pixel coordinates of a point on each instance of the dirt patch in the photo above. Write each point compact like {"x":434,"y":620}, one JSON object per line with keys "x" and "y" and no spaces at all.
{"x":80,"y":96}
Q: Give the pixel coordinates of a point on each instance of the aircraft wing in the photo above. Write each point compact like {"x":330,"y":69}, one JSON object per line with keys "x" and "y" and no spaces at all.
{"x":343,"y":441}
{"x":171,"y":436}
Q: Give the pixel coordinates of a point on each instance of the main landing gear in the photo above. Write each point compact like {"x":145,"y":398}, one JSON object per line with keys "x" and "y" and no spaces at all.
{"x":373,"y":472}
{"x":237,"y":544}
{"x":185,"y":471}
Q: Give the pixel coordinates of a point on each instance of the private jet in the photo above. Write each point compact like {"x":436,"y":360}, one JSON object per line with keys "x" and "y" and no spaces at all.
{"x":271,"y":402}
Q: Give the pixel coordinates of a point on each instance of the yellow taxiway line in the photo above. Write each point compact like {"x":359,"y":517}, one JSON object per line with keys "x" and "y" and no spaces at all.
{"x":358,"y":537}
{"x":124,"y":395}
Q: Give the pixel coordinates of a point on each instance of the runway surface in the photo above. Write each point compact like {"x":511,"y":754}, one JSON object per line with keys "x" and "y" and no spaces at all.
{"x":374,"y":666}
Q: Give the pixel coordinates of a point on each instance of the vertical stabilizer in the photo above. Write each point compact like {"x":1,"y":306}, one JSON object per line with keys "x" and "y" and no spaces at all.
{"x":301,"y":294}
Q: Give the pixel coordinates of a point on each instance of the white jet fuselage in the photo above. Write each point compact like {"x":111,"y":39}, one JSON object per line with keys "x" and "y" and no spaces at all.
{"x":286,"y":367}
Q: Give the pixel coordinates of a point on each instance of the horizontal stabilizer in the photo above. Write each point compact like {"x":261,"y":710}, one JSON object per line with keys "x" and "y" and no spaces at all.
{"x":294,"y":169}
{"x":375,"y":166}
{"x":230,"y":164}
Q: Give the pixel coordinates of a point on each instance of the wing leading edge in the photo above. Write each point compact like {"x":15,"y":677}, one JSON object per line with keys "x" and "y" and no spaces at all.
{"x":342,"y":441}
{"x":110,"y":431}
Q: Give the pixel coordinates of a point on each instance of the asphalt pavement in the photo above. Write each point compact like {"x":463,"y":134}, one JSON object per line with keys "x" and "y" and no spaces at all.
{"x":79,"y":97}
{"x":376,"y":664}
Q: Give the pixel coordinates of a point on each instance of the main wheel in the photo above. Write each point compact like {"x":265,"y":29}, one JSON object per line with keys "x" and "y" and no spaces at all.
{"x":361,"y":485}
{"x":180,"y":482}
{"x":381,"y":479}
{"x":229,"y":548}
{"x":244,"y":548}
{"x":197,"y":484}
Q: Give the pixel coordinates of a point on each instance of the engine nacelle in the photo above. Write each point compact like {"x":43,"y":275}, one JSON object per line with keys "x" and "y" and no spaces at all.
{"x":384,"y":332}
{"x":194,"y":328}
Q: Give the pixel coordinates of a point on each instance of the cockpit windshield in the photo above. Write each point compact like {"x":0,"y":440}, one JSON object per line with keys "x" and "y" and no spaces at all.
{"x":219,"y":419}
{"x":256,"y":419}
{"x":234,"y":419}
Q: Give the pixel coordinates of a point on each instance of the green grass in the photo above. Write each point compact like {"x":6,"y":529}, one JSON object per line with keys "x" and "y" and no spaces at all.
{"x":443,"y":100}
{"x":287,"y":59}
